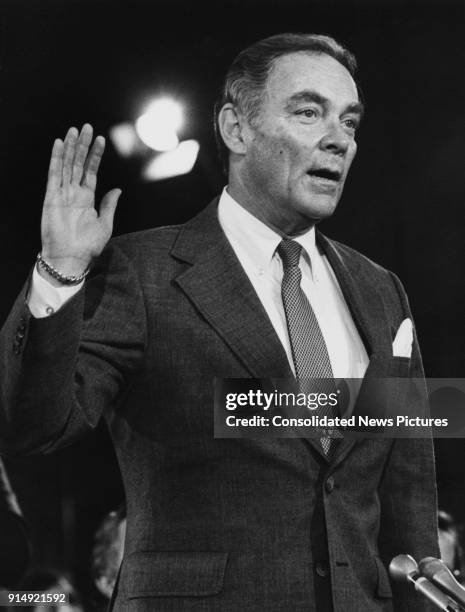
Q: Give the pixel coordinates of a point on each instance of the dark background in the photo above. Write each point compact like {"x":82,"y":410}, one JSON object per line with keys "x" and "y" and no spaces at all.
{"x":67,"y":62}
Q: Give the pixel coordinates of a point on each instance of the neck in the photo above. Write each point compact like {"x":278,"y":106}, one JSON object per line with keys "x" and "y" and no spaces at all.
{"x":282,"y":224}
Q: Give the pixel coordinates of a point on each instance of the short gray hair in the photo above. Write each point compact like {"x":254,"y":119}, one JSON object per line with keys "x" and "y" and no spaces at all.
{"x":246,"y":78}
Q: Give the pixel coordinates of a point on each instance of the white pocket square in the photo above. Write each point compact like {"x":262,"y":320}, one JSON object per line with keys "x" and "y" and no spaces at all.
{"x":402,"y":345}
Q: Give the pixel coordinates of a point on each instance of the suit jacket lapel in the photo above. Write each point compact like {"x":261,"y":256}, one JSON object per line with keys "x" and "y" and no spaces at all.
{"x":361,"y":296}
{"x":368,"y":313}
{"x":221,"y":290}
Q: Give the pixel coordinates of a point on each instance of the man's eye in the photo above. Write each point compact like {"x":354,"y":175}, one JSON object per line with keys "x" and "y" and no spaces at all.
{"x":309,"y":113}
{"x":352,"y":124}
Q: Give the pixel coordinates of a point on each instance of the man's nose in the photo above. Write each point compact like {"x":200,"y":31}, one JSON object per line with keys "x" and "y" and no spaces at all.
{"x":335,"y":139}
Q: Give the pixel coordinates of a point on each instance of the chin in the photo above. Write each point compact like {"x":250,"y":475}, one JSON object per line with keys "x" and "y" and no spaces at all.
{"x":318,"y":211}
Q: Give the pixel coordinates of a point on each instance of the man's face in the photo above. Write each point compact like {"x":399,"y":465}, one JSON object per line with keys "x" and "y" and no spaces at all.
{"x":300,"y":147}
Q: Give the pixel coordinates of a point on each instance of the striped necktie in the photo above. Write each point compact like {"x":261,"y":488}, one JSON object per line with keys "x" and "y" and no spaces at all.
{"x":309,"y":351}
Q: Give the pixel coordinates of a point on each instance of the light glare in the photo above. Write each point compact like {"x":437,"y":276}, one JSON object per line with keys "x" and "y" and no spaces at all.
{"x":124,"y":139}
{"x":173,"y":163}
{"x":158,"y":126}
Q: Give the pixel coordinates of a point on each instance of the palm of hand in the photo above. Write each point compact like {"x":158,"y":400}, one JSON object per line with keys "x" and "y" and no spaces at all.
{"x":72,"y":229}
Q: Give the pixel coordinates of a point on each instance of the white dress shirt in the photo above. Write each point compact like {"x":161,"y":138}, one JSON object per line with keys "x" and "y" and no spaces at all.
{"x":44,"y":298}
{"x":255,"y":244}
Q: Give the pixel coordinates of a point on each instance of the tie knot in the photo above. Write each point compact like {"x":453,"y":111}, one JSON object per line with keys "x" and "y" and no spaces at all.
{"x":289,"y":251}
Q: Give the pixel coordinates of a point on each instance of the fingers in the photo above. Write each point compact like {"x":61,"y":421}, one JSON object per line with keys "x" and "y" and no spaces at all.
{"x":108,"y":206}
{"x":68,"y":156}
{"x":56,"y":166}
{"x":93,"y":162}
{"x":72,"y":162}
{"x":82,"y":147}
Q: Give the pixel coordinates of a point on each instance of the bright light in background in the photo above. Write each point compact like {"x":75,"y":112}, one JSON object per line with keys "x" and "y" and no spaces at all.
{"x":125,"y":139}
{"x":158,"y":126}
{"x":173,"y":163}
{"x":157,"y":129}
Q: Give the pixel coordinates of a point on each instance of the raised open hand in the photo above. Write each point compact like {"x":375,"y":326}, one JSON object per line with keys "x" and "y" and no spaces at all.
{"x":73,"y":231}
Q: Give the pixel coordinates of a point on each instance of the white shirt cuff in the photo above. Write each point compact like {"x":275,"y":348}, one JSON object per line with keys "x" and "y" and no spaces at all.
{"x":44,"y":299}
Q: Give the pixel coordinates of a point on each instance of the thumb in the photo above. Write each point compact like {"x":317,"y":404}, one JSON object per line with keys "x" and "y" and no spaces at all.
{"x":108,"y":206}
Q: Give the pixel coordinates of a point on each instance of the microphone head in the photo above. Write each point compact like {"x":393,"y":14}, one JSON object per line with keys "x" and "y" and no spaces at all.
{"x":402,"y":566}
{"x":437,"y":572}
{"x":429,"y":566}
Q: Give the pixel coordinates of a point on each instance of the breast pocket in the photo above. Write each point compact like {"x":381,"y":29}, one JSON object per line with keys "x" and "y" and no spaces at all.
{"x":173,"y":574}
{"x":399,"y":367}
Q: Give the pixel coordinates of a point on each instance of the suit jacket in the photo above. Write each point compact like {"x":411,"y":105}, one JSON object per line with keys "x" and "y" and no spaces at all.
{"x":219,"y":524}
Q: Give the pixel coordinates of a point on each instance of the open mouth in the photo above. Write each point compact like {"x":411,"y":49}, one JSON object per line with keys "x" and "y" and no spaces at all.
{"x":325,"y":173}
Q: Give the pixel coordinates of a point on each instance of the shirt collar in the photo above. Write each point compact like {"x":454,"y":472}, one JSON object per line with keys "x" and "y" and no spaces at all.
{"x":255,"y":237}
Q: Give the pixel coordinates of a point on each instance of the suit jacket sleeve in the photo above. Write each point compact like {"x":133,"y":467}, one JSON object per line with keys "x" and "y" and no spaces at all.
{"x":408,"y":497}
{"x":59,"y":374}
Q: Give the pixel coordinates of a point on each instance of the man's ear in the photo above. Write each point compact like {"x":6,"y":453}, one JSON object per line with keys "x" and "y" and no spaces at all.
{"x":230,"y":124}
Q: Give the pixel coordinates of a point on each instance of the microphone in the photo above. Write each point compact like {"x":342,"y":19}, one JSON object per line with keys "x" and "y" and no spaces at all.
{"x":439,"y":574}
{"x":405,"y":568}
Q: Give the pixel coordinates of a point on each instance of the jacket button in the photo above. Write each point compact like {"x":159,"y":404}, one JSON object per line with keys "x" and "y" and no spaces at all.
{"x":322,"y":569}
{"x":16,"y":348}
{"x":19,"y":335}
{"x":329,"y":485}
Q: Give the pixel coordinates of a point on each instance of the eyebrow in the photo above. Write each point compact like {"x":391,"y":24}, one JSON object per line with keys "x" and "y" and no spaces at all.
{"x":308,"y":95}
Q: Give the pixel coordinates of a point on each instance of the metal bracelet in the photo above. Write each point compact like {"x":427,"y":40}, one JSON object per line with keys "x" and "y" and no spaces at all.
{"x":65,"y":280}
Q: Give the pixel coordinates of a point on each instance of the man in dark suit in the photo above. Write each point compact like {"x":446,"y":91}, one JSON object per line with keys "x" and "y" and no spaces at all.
{"x":247,"y":288}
